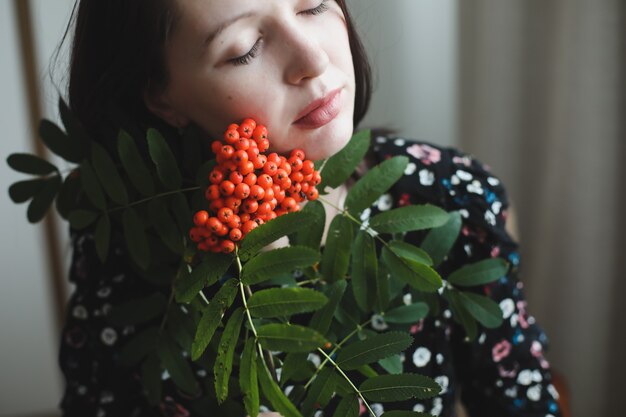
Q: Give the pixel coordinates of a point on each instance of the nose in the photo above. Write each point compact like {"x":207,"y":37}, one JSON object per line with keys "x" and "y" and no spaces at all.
{"x":304,"y":55}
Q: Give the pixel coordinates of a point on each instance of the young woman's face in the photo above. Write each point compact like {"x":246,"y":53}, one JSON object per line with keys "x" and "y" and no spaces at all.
{"x":270,"y":65}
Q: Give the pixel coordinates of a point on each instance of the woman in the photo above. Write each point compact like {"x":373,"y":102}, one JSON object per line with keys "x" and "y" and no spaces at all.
{"x":299,"y":67}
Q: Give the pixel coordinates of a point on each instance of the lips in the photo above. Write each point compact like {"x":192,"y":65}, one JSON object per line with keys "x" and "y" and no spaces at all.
{"x":320,"y":111}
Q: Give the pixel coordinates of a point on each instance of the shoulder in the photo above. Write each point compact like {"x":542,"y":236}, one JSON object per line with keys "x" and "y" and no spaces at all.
{"x":447,"y":177}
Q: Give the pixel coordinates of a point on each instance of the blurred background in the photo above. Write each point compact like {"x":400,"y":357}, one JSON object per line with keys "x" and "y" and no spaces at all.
{"x":535,"y":89}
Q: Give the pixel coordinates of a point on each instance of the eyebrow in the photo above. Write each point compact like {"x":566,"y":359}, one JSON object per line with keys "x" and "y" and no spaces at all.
{"x":224,"y":25}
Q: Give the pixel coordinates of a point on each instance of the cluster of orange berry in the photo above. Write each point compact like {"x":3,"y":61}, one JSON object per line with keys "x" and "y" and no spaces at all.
{"x":249,"y":188}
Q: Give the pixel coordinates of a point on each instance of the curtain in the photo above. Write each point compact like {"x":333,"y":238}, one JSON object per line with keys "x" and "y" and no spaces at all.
{"x":542,"y":100}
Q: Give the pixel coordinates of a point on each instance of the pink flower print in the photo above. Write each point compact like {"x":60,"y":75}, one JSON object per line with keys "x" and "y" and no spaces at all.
{"x":427,"y":154}
{"x":501,"y":350}
{"x":521,"y":306}
{"x":536,"y":349}
{"x":507,"y":373}
{"x":404,"y":199}
{"x":465,"y":160}
{"x":416,"y":328}
{"x":171,"y":408}
{"x":495,"y":251}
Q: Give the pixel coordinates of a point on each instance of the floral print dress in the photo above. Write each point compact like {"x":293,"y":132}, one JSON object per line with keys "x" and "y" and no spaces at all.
{"x":502,"y":373}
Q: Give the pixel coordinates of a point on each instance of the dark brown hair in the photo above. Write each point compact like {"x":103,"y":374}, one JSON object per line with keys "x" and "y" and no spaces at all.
{"x":118,"y":51}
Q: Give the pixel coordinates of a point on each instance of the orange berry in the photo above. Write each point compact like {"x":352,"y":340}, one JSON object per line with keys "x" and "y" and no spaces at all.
{"x":296,"y":163}
{"x":213,"y":224}
{"x":307,"y":166}
{"x":235,"y":234}
{"x":265,"y":181}
{"x":212,"y":193}
{"x":250,"y":206}
{"x":312,"y":194}
{"x":216,"y":145}
{"x":244,"y":217}
{"x":264,"y":208}
{"x":233,"y":203}
{"x":249,"y":226}
{"x":231,"y":136}
{"x":242,"y":144}
{"x":227,"y":151}
{"x":270,"y":168}
{"x":242,"y":191}
{"x":195,"y":234}
{"x":263,"y":144}
{"x":225,"y":214}
{"x":235,"y":177}
{"x":257,"y":192}
{"x":247,"y":168}
{"x":216,"y":205}
{"x":251,"y":122}
{"x":260,"y":132}
{"x":289,"y":203}
{"x":240,"y":157}
{"x":223,"y":230}
{"x":200,"y":218}
{"x":228,"y":246}
{"x":216,"y":176}
{"x":274,"y":157}
{"x":297,"y":152}
{"x":227,"y":188}
{"x":250,"y":179}
{"x":245,"y":130}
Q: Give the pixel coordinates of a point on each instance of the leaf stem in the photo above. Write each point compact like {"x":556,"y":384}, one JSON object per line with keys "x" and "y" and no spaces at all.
{"x":349,"y":381}
{"x":337,"y":346}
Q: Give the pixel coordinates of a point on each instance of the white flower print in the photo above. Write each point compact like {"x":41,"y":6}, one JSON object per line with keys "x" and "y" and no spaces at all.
{"x":443,"y":381}
{"x":511,"y":392}
{"x":455,"y":180}
{"x":437,"y":406}
{"x":439,"y":358}
{"x":475,"y":187}
{"x":553,"y":392}
{"x":384,"y":202}
{"x":496,"y":206}
{"x":410,"y":168}
{"x":366,"y":214}
{"x":378,"y":409}
{"x":104,"y":292}
{"x":508,"y":307}
{"x":108,"y":336}
{"x":464,"y":175}
{"x":534,"y":393}
{"x":421,"y":357}
{"x":378,"y":322}
{"x":419,"y":408}
{"x":493,"y":181}
{"x":314,"y":358}
{"x":490,"y":218}
{"x":537,"y":377}
{"x":399,"y":142}
{"x":407,"y":298}
{"x":80,"y":312}
{"x":525,"y":377}
{"x":427,"y":177}
{"x":381,"y":139}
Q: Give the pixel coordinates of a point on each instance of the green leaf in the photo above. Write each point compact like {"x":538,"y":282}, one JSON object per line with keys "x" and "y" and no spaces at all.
{"x":311,"y":236}
{"x":179,"y":206}
{"x":439,"y":241}
{"x":289,"y":338}
{"x":151,"y":379}
{"x":341,"y":165}
{"x":336,"y":255}
{"x":165,"y":226}
{"x":136,"y":240}
{"x":322,"y":318}
{"x":212,"y":267}
{"x":226,"y":350}
{"x":248,"y":378}
{"x":22,"y":191}
{"x":408,"y":251}
{"x":139,"y":347}
{"x":80,"y":219}
{"x":417,"y":275}
{"x":138,"y":310}
{"x":91,"y":187}
{"x":405,"y":414}
{"x":320,"y":392}
{"x":30,"y":164}
{"x":68,"y":195}
{"x":348,"y":407}
{"x":179,"y":369}
{"x":372,"y":349}
{"x":107,"y":173}
{"x":364,"y":271}
{"x":375,"y":183}
{"x":269,"y":264}
{"x":482,"y":308}
{"x":387,"y":388}
{"x":382,"y":287}
{"x":479,"y":273}
{"x":72,"y":147}
{"x":460,"y":314}
{"x":409,"y":218}
{"x":102,"y":237}
{"x":164,"y":160}
{"x":283,"y":302}
{"x":296,"y":366}
{"x":41,"y":202}
{"x":411,"y":313}
{"x":212,"y":317}
{"x":392,"y":364}
{"x":181,"y":325}
{"x":59,"y":143}
{"x":274,"y":229}
{"x":134,"y":165}
{"x":273,"y":393}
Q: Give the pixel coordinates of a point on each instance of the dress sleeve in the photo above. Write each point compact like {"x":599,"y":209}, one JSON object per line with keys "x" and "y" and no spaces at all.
{"x":503,"y":372}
